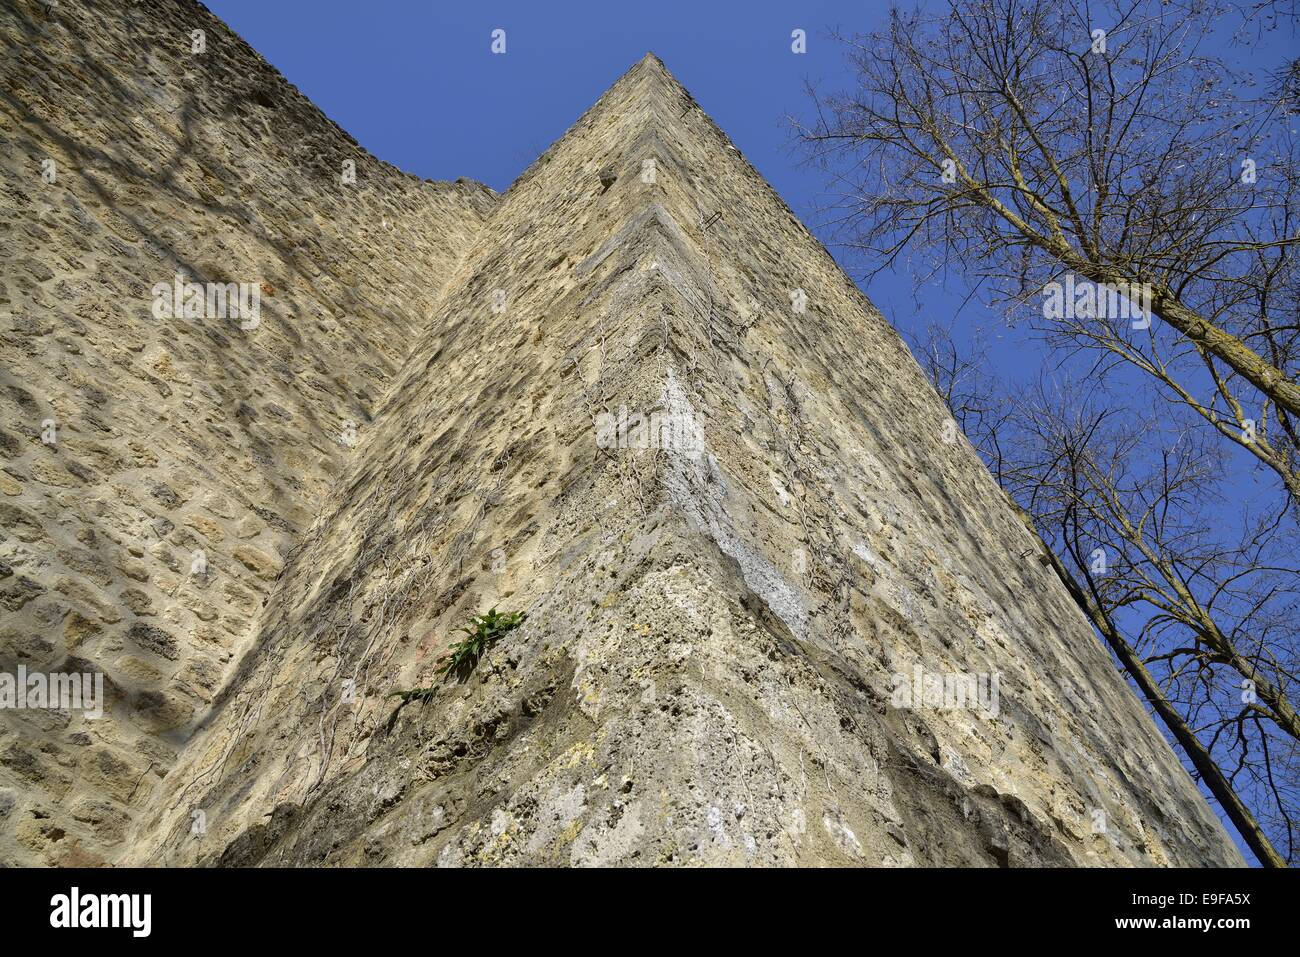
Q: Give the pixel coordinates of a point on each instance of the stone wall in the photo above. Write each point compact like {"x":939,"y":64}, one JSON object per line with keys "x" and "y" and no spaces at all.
{"x":707,"y":673}
{"x":157,"y":471}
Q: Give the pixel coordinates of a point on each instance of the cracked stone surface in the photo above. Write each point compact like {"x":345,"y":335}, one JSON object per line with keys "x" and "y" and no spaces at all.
{"x":719,"y":599}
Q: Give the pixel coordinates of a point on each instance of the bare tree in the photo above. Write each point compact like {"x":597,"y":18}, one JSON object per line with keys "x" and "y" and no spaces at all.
{"x":1040,"y":141}
{"x":1201,"y":615}
{"x":1197,"y":619}
{"x":1102,"y":171}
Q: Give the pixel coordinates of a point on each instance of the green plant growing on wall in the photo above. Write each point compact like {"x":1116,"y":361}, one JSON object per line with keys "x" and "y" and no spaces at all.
{"x":482,"y":633}
{"x":485,"y":631}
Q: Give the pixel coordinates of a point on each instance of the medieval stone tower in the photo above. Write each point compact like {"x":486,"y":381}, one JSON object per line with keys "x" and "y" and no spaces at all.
{"x":631,"y":396}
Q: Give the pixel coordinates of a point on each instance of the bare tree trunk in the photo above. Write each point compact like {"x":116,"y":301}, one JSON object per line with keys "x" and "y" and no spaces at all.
{"x":1218,"y":342}
{"x":1214,"y":778}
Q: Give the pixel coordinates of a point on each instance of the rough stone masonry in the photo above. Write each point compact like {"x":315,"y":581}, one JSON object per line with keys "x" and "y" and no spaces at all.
{"x":774,"y":616}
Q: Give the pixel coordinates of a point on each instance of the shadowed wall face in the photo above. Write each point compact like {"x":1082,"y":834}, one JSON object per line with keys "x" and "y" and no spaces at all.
{"x":160,"y":454}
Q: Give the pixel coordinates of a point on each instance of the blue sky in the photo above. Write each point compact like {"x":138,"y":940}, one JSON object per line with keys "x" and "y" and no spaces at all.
{"x":417,"y":85}
{"x":415,"y":82}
